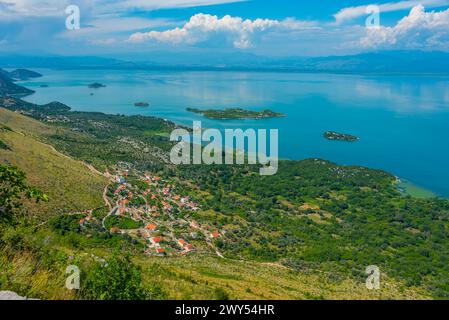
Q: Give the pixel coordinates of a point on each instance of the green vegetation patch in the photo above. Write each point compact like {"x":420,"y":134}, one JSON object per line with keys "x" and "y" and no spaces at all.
{"x":118,"y":279}
{"x":4,"y":146}
{"x":415,"y":191}
{"x":235,"y":113}
{"x":100,"y":213}
{"x":331,"y":135}
{"x":122,"y":223}
{"x":66,"y":223}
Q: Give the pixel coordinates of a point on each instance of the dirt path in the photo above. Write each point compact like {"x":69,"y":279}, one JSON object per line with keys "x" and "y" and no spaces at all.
{"x":274,"y":264}
{"x":105,"y":197}
{"x":91,"y":168}
{"x":112,"y":212}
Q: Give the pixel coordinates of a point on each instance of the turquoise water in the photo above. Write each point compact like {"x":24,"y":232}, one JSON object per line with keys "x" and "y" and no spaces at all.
{"x":402,"y":121}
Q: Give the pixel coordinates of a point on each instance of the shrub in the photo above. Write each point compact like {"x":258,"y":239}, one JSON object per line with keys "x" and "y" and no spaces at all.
{"x":116,"y":279}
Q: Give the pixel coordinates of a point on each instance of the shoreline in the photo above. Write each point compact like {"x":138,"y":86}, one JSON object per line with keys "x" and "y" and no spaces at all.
{"x":407,"y":187}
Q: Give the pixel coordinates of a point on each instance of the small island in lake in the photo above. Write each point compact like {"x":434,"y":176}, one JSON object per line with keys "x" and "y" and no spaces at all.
{"x":141,"y":104}
{"x":331,"y":135}
{"x":96,"y":85}
{"x":236,"y":113}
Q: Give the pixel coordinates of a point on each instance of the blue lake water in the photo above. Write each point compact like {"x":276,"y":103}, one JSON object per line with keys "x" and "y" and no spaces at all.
{"x":402,"y":121}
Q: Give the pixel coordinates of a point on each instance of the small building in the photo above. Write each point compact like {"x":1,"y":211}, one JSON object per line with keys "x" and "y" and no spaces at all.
{"x":156,"y":240}
{"x":182,"y":243}
{"x":151,"y":227}
{"x":215,"y":235}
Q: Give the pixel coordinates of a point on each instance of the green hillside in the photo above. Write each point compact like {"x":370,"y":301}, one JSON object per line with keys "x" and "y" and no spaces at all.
{"x":70,"y":184}
{"x":8,"y":87}
{"x":308,"y":232}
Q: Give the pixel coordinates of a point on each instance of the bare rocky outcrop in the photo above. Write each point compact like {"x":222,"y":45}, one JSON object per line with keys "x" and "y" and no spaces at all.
{"x":10,"y":295}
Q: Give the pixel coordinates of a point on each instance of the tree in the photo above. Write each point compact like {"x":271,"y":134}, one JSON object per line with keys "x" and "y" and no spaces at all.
{"x":13,"y":189}
{"x":117,"y":279}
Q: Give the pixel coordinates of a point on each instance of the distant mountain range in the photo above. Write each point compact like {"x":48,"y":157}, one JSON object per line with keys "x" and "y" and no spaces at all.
{"x":374,"y":62}
{"x":379,"y":62}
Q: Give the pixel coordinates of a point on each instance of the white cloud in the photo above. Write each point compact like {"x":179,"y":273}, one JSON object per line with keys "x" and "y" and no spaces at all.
{"x":351,"y":13}
{"x":418,"y":30}
{"x":16,"y":9}
{"x":110,"y":24}
{"x":111,"y":30}
{"x":104,"y":42}
{"x":164,"y":4}
{"x":204,"y":27}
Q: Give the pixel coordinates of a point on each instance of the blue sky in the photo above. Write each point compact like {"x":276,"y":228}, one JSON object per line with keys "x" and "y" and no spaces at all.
{"x":262,"y":27}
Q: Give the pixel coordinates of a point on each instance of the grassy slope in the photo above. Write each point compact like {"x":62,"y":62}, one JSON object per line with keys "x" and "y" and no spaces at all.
{"x":23,"y":273}
{"x":190,"y":277}
{"x":70,"y":185}
{"x":197,"y":277}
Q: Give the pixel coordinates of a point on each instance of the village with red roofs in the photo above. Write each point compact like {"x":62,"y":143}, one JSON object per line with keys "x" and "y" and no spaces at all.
{"x":149,"y":209}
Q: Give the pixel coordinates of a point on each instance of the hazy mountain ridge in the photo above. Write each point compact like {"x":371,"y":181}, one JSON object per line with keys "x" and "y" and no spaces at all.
{"x":374,"y":62}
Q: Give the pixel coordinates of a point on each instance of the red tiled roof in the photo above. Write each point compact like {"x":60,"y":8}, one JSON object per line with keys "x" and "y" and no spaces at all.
{"x":151,"y":226}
